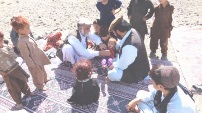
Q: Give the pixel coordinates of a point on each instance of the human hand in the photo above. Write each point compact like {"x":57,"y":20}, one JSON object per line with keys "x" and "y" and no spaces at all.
{"x":129,"y":17}
{"x":131,"y":105}
{"x":104,"y":53}
{"x":113,"y":11}
{"x":102,"y":46}
{"x":111,"y":67}
{"x":144,"y":18}
{"x":3,"y":74}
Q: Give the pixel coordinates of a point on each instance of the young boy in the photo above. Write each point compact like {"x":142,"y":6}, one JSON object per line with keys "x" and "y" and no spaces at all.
{"x":14,"y":76}
{"x":161,"y":28}
{"x":166,"y":96}
{"x":33,"y":56}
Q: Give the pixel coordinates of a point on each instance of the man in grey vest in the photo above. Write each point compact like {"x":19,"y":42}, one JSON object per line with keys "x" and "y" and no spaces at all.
{"x":76,"y":47}
{"x":132,"y":64}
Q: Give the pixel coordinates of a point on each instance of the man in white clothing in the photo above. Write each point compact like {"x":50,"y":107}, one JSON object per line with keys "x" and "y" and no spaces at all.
{"x":132,"y":64}
{"x":76,"y":43}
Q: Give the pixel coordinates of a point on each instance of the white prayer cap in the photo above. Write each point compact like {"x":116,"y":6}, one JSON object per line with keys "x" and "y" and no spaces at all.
{"x":84,"y":21}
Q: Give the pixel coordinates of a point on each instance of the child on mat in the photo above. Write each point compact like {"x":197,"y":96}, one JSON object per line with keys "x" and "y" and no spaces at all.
{"x":107,"y":61}
{"x":33,"y":56}
{"x":85,"y":90}
{"x":14,"y":76}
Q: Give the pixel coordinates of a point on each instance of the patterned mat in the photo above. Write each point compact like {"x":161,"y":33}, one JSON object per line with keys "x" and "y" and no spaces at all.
{"x":113,"y":97}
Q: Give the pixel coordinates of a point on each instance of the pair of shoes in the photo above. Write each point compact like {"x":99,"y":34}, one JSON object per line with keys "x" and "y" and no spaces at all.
{"x":197,"y":88}
{"x":153,"y":55}
{"x":164,"y":57}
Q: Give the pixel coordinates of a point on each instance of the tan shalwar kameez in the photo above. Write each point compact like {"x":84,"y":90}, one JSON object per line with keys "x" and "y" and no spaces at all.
{"x":35,"y":60}
{"x":16,"y":77}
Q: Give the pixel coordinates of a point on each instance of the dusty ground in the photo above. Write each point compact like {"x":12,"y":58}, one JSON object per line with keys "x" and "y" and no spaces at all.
{"x":48,"y":16}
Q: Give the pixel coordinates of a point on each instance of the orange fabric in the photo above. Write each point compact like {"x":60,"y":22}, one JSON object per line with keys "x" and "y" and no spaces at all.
{"x":53,"y":40}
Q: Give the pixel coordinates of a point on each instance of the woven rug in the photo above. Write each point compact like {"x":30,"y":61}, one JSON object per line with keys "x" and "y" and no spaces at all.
{"x":113,"y":96}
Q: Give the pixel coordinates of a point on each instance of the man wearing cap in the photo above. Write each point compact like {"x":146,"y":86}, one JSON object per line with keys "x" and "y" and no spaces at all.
{"x":132,"y":64}
{"x":165,"y":96}
{"x":76,"y":47}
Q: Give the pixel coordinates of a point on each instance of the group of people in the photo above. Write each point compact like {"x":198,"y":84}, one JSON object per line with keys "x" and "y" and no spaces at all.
{"x":119,"y":43}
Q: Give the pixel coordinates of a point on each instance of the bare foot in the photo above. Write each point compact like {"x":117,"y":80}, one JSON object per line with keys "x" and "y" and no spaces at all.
{"x":107,"y":80}
{"x":48,"y":79}
{"x":45,"y":88}
{"x":18,"y":106}
{"x":32,"y":94}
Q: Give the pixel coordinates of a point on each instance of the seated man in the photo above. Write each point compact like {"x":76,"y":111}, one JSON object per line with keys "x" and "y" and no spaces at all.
{"x":166,"y":97}
{"x":132,"y":64}
{"x":76,"y":43}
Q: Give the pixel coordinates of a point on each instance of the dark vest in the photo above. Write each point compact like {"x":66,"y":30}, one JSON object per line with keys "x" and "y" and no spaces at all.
{"x":78,"y":36}
{"x":59,"y":53}
{"x":139,"y":69}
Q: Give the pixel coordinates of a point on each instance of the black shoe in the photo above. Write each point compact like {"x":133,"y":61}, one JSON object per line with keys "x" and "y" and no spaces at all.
{"x":197,"y":88}
{"x":69,"y":101}
{"x":67,"y":64}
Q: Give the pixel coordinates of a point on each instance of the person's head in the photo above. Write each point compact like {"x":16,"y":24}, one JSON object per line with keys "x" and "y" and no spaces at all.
{"x":119,"y":27}
{"x":111,"y":43}
{"x":21,"y":25}
{"x":84,"y":25}
{"x":1,"y":39}
{"x":83,"y":69}
{"x":104,"y":34}
{"x":97,"y":25}
{"x":163,"y":1}
{"x":164,"y":77}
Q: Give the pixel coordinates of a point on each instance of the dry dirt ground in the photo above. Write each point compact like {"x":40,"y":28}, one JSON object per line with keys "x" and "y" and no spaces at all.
{"x":48,"y":16}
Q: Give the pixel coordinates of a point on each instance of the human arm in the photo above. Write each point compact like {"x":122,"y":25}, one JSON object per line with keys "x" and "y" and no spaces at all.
{"x":150,"y":13}
{"x":129,"y":8}
{"x":116,"y":11}
{"x":117,"y":4}
{"x":132,"y":105}
{"x":98,"y":5}
{"x":11,"y":52}
{"x":96,"y":39}
{"x":25,"y":53}
{"x":2,"y":73}
{"x":81,"y":50}
{"x":126,"y":57}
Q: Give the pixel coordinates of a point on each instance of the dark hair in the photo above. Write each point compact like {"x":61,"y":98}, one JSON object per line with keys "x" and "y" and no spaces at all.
{"x":104,"y":31}
{"x":19,"y":22}
{"x":154,"y":73}
{"x":97,"y":21}
{"x":1,"y":34}
{"x":122,"y":26}
{"x":83,"y":69}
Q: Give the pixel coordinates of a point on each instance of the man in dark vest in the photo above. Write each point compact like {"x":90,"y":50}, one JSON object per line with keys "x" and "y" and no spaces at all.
{"x":76,"y":43}
{"x":132,"y":64}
